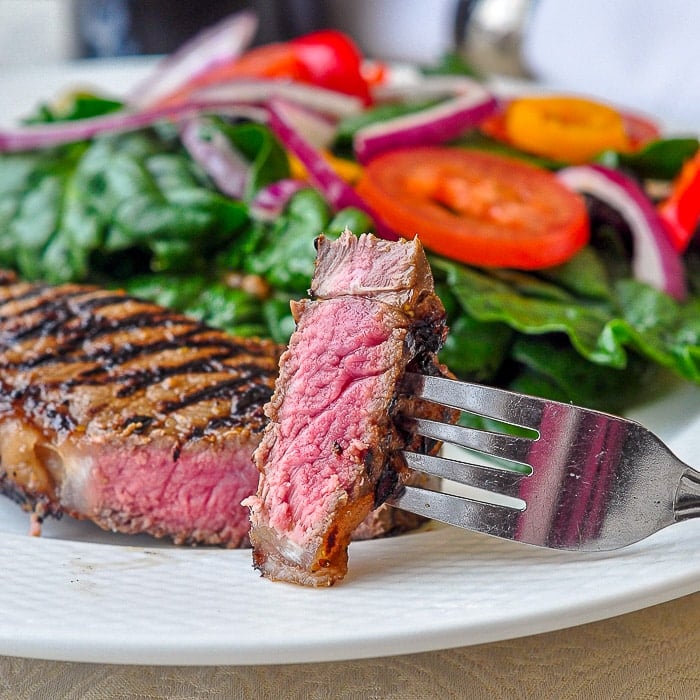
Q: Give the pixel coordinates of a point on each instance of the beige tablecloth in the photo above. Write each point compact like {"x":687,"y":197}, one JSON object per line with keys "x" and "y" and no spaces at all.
{"x":653,"y":653}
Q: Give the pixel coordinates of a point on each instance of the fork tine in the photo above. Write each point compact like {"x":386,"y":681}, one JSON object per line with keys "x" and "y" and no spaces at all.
{"x":499,"y":404}
{"x":479,"y":476}
{"x":598,"y":481}
{"x":509,"y":447}
{"x":489,"y":518}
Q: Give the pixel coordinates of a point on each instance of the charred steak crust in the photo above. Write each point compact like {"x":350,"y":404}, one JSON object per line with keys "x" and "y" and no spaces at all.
{"x":119,"y":411}
{"x":331,"y":451}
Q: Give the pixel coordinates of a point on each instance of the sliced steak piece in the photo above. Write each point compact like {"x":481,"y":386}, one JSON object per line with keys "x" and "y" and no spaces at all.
{"x":330,"y":453}
{"x":118,"y":411}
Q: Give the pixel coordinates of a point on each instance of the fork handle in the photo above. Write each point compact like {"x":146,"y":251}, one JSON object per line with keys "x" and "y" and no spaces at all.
{"x":687,"y":500}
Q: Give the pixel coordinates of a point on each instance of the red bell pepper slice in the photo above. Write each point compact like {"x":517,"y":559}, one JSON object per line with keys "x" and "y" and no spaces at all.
{"x":680,"y":211}
{"x":333,"y":61}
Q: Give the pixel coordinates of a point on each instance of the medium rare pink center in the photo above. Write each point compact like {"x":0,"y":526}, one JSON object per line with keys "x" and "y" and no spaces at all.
{"x":200,"y":492}
{"x":326,"y":422}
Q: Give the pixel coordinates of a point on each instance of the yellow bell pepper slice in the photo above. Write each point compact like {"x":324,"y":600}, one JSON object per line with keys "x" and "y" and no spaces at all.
{"x":568,"y":129}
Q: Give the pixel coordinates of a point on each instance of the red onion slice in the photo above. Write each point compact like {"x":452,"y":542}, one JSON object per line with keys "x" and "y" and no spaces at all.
{"x":270,"y":201}
{"x":322,"y":176}
{"x":227,"y":168}
{"x":237,"y":98}
{"x":317,"y":130}
{"x":328,"y":102}
{"x":470,"y":105}
{"x":25,"y":138}
{"x":282,"y":123}
{"x":654,"y":259}
{"x":223,"y":42}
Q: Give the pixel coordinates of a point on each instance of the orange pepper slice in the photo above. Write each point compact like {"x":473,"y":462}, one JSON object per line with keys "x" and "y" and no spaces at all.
{"x":569,"y":129}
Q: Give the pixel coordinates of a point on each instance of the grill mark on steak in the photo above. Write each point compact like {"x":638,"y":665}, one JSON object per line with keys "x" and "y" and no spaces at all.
{"x":64,"y":315}
{"x":42,"y":305}
{"x":100,"y":301}
{"x":112,"y":357}
{"x":215,"y":390}
{"x":42,"y":328}
{"x":143,"y":378}
{"x":18,"y":292}
{"x":250,"y":405}
{"x":139,"y":379}
{"x":228,"y":348}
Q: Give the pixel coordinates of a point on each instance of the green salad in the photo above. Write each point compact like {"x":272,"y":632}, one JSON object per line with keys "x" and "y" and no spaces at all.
{"x":135,"y":209}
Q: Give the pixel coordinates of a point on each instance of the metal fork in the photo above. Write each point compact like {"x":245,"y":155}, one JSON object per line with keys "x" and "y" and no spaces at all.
{"x":596,"y":481}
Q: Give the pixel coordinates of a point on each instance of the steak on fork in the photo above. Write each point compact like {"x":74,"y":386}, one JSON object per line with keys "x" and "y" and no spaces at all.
{"x":331,"y":451}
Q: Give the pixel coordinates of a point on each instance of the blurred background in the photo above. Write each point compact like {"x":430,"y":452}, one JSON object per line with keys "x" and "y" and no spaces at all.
{"x":638,"y":54}
{"x":37,"y":31}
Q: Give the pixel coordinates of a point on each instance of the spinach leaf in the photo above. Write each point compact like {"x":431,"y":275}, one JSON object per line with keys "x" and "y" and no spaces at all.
{"x":584,"y":275}
{"x":205,"y":297}
{"x":476,"y":350}
{"x":353,"y":219}
{"x":662,"y":329}
{"x":283,"y":252}
{"x":488,"y":299}
{"x":268,"y":160}
{"x":661,"y":159}
{"x":173,"y":291}
{"x":636,"y":319}
{"x":72,"y":213}
{"x":451,"y":63}
{"x":555,"y":370}
{"x":80,"y":105}
{"x":224,"y":307}
{"x":278,"y":317}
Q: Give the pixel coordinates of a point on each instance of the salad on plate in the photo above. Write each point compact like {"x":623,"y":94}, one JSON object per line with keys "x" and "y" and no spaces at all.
{"x":561,"y":231}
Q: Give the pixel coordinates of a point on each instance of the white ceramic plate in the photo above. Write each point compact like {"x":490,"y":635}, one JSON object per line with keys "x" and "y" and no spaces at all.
{"x":83,"y":595}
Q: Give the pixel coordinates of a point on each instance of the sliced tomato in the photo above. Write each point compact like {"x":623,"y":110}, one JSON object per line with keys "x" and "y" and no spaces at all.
{"x":328,"y":58}
{"x":269,"y":61}
{"x":476,"y":207}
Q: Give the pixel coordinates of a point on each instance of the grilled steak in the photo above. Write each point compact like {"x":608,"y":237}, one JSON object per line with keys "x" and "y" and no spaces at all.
{"x":139,"y":419}
{"x":330,"y":453}
{"x":118,"y":411}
